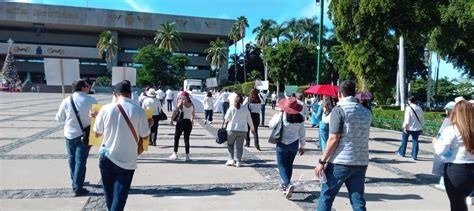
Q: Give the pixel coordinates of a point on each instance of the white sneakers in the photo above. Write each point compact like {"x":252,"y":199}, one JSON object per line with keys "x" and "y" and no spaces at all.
{"x":238,"y":164}
{"x":174,"y":156}
{"x":289,"y":191}
{"x":229,"y":163}
{"x":187,"y":159}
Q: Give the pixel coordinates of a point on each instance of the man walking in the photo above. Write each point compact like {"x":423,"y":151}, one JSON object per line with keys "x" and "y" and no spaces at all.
{"x":74,"y":112}
{"x":346,"y":157}
{"x":412,"y":125}
{"x":169,"y":99}
{"x":263,"y":100}
{"x":225,"y":102}
{"x":121,"y":124}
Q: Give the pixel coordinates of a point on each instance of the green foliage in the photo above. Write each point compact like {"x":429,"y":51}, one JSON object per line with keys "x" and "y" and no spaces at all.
{"x":255,"y":75}
{"x":167,"y":37}
{"x":302,"y":88}
{"x":178,"y":64}
{"x":217,"y":53}
{"x":107,"y":46}
{"x":103,"y":81}
{"x":243,"y":88}
{"x":393,"y":120}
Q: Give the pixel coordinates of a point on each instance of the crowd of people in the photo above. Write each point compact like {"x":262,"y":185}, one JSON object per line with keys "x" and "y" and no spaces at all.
{"x":343,"y":137}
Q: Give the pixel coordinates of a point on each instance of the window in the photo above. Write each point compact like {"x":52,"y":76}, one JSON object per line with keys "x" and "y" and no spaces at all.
{"x":131,"y":51}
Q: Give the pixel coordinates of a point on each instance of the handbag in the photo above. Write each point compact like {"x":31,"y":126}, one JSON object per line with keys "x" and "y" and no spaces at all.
{"x":139,"y":140}
{"x":85,"y":131}
{"x":222,"y":134}
{"x":179,"y":116}
{"x":277,"y":132}
{"x":162,"y":116}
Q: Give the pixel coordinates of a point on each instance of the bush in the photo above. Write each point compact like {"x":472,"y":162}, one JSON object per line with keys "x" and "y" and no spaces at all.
{"x":389,"y":107}
{"x":103,"y":81}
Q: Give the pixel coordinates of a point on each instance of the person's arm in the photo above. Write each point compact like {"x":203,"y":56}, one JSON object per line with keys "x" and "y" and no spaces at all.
{"x":302,"y":139}
{"x":99,"y":124}
{"x":194,"y":114}
{"x":143,"y":128}
{"x":275,"y":119}
{"x":61,"y":115}
{"x":442,"y":145}
{"x":250,"y":122}
{"x":175,"y":112}
{"x":406,"y":119}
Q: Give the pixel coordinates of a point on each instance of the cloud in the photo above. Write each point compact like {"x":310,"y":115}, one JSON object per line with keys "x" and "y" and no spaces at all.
{"x":138,"y":6}
{"x":21,"y":1}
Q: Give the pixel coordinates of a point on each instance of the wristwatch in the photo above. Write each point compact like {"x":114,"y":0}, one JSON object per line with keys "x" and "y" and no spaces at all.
{"x":322,"y":162}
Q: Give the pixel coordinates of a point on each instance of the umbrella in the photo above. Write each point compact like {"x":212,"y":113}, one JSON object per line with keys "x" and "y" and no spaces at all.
{"x":364,"y":96}
{"x":322,"y":89}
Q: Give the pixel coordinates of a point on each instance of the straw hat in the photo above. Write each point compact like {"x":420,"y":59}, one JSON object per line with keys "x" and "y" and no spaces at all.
{"x":151,"y":93}
{"x":290,"y":105}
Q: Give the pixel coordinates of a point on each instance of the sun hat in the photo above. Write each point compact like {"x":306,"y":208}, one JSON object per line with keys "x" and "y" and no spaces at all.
{"x":458,"y":99}
{"x":450,"y":106}
{"x":151,"y":92}
{"x":290,"y":105}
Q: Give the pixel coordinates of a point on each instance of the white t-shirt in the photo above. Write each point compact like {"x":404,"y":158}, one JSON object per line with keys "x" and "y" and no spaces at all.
{"x":238,"y":119}
{"x":225,"y":97}
{"x":274,"y":97}
{"x":169,"y":94}
{"x":208,"y":103}
{"x":160,"y":94}
{"x":231,"y":98}
{"x":118,"y":139}
{"x":451,"y":141}
{"x":152,"y":103}
{"x":66,"y":114}
{"x":411,"y":120}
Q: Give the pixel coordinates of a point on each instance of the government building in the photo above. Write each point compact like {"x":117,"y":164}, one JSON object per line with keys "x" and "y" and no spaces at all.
{"x":48,"y":31}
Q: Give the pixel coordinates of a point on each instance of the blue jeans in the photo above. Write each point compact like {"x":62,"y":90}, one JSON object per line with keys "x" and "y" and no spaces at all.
{"x":225,"y":107}
{"x":285,"y":157}
{"x":77,"y":154}
{"x":169,"y":105}
{"x":116,"y":182}
{"x":403,"y":146}
{"x":263,"y":114}
{"x":352,"y":176}
{"x":208,"y":115}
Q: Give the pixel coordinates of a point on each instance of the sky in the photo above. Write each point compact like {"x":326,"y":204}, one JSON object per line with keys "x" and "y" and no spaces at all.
{"x":254,"y":10}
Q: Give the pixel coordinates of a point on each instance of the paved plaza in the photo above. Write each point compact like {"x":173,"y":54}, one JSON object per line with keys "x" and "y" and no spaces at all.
{"x":34,"y":173}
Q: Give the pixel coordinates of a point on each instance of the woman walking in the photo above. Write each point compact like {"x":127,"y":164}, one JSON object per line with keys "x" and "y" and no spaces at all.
{"x":238,"y":119}
{"x":184,"y":123}
{"x":326,"y":107}
{"x":152,"y":103}
{"x":314,"y":121}
{"x":274,"y":100}
{"x":208,"y":107}
{"x":293,"y":140}
{"x":458,"y":139}
{"x":253,"y":103}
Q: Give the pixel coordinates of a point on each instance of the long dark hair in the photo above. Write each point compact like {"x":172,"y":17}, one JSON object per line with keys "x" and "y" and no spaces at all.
{"x":294,"y":118}
{"x":238,"y":101}
{"x":253,"y":96}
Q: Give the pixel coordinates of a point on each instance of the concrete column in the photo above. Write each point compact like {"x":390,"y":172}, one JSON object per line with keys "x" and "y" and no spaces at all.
{"x":28,"y":76}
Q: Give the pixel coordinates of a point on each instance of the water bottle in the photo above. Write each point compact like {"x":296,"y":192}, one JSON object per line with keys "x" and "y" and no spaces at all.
{"x":103,"y":152}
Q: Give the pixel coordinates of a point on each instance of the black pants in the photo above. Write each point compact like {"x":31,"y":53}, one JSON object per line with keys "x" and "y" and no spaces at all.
{"x":170,"y":105}
{"x":185,"y":126}
{"x":274,"y":102}
{"x":208,"y":115}
{"x":263,"y":114}
{"x":154,"y":130}
{"x":256,"y":122}
{"x":459,"y":183}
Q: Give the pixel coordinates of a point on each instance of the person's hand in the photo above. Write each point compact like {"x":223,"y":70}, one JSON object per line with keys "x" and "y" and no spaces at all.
{"x":150,"y":122}
{"x":319,"y":170}
{"x":192,"y":122}
{"x":171,"y":122}
{"x":253,"y":131}
{"x":434,"y":141}
{"x":301,"y":151}
{"x":93,"y":114}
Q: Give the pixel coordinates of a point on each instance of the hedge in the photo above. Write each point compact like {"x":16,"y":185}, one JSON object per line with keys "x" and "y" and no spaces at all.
{"x":393,"y":120}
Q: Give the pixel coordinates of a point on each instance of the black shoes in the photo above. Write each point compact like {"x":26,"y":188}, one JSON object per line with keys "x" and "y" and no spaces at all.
{"x":257,"y":147}
{"x":81,"y":192}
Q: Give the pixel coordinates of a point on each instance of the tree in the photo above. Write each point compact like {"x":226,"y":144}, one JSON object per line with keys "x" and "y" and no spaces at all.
{"x":264,"y":37}
{"x":9,"y":71}
{"x":167,"y":37}
{"x":177,"y":64}
{"x":278,"y":31}
{"x":255,"y":75}
{"x":293,"y":30}
{"x":234,"y":35}
{"x":242,"y":24}
{"x":217,"y":53}
{"x":107,"y":46}
{"x":253,"y":58}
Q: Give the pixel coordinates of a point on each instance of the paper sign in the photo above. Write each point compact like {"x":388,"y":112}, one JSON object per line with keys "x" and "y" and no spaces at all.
{"x":261,"y":85}
{"x":52,"y":71}
{"x":211,"y":82}
{"x":124,"y":73}
{"x":98,"y":141}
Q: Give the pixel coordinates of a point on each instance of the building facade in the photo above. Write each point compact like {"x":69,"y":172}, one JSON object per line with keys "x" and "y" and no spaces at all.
{"x":49,"y":31}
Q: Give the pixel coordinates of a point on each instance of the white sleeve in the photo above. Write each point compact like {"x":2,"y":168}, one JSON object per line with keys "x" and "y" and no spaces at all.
{"x":250,"y":121}
{"x":99,"y":122}
{"x":443,"y":144}
{"x":229,"y":114}
{"x":302,"y":133}
{"x":143,"y":128}
{"x":61,"y":115}
{"x":274,"y":121}
{"x":406,"y":120}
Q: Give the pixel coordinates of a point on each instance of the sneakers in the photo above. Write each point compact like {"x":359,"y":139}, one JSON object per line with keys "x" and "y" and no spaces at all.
{"x":174,"y":156}
{"x":289,"y":191}
{"x":81,"y":192}
{"x":229,"y":163}
{"x":187,"y":159}
{"x":238,"y":164}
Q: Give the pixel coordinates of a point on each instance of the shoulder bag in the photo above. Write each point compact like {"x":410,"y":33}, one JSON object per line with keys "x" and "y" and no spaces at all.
{"x":222,"y":134}
{"x":138,"y":139}
{"x":85,"y":131}
{"x":277,"y":132}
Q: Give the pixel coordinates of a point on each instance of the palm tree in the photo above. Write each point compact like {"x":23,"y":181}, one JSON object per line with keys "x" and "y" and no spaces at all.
{"x":234,"y":35}
{"x":107,"y":46}
{"x":167,"y":37}
{"x":264,"y":38}
{"x":278,"y":31}
{"x":310,"y":28}
{"x":243,"y":23}
{"x":293,"y":29}
{"x":217,"y":53}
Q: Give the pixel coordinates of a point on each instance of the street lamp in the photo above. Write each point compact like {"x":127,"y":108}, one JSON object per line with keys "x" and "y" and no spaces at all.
{"x":320,"y":35}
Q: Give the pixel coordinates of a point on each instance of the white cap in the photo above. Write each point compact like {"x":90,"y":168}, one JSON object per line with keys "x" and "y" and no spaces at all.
{"x":457,"y":99}
{"x":471,"y":101}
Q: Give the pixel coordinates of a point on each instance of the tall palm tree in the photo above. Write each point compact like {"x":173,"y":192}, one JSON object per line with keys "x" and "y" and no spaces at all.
{"x":293,"y":29}
{"x":278,"y":31}
{"x":167,"y":37}
{"x":243,"y":23}
{"x":264,"y":38}
{"x":234,"y":36}
{"x":107,"y":46}
{"x":217,"y":53}
{"x":309,"y":28}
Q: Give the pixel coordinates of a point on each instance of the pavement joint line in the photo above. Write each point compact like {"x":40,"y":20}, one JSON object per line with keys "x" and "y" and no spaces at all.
{"x":24,"y":115}
{"x":24,"y":141}
{"x":21,"y":101}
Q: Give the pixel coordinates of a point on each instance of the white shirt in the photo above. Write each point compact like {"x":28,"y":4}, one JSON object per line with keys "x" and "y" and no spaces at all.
{"x":231,"y":98}
{"x":238,"y":119}
{"x":169,"y":94}
{"x":451,"y":146}
{"x":263,"y":97}
{"x":304,"y":111}
{"x":160,"y":94}
{"x":66,"y":114}
{"x":142,"y":97}
{"x":411,"y":120}
{"x":274,"y":97}
{"x":208,"y":103}
{"x":135,"y":99}
{"x":118,"y":139}
{"x":188,"y":112}
{"x":153,"y":104}
{"x":291,"y":131}
{"x":225,"y":97}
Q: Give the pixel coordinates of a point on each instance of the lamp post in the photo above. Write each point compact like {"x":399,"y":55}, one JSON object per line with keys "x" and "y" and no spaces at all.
{"x":320,"y":35}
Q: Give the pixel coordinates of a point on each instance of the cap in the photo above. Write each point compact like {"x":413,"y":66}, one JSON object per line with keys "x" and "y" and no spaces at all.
{"x":450,"y":106}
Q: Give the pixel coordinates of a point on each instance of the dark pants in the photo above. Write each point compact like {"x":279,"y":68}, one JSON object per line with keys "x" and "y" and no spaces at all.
{"x":116,"y":182}
{"x":337,"y":175}
{"x":162,"y":101}
{"x":170,"y":105}
{"x":263,"y":114}
{"x":77,"y":157}
{"x":256,"y":122}
{"x":185,"y":126}
{"x":285,"y":157}
{"x":274,"y":104}
{"x":403,"y":146}
{"x":459,"y":183}
{"x":208,"y":115}
{"x":154,"y":130}
{"x":225,"y":107}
